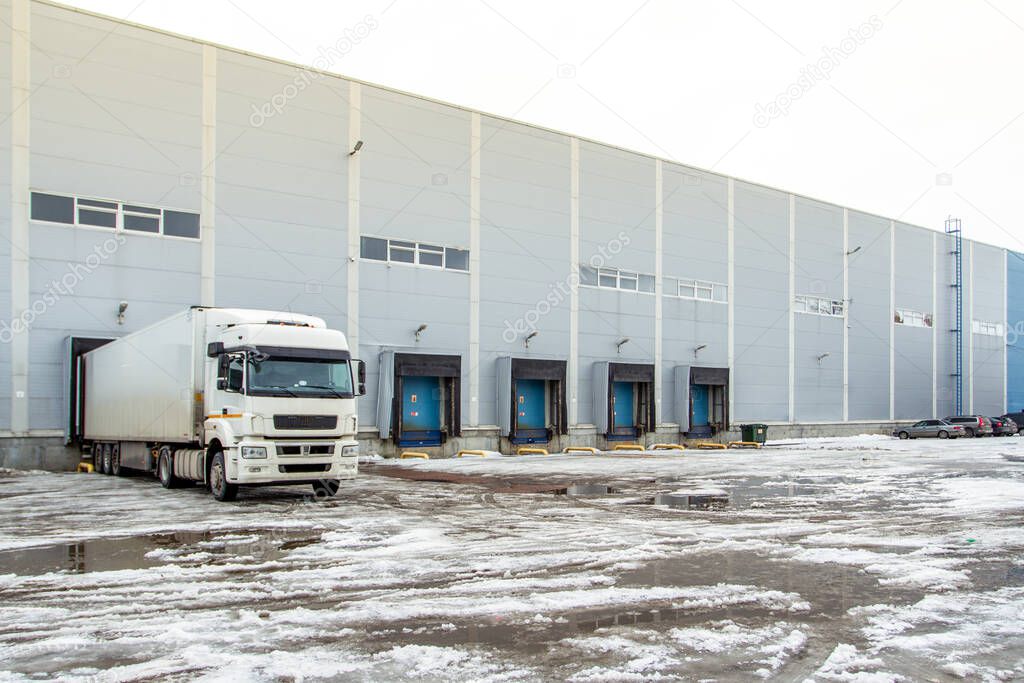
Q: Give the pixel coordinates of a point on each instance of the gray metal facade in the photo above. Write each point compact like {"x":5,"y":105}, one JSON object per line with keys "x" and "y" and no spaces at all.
{"x":131,"y":114}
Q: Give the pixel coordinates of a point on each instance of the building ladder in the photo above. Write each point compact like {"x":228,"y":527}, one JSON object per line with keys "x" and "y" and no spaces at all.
{"x":955,"y":233}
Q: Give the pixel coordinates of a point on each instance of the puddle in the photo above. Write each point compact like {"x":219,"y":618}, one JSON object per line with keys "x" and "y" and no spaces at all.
{"x":704,"y":499}
{"x":589,"y":490}
{"x":141,"y":552}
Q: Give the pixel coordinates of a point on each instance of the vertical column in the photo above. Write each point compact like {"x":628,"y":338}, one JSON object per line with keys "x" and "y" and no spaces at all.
{"x":21,"y":91}
{"x":846,"y":315}
{"x":935,"y":333}
{"x":892,"y":320}
{"x":208,"y":180}
{"x":731,"y":282}
{"x":969,"y":331}
{"x":574,"y":293}
{"x":792,"y":310}
{"x":659,"y":225}
{"x":474,"y":269}
{"x":355,"y":131}
{"x":1006,"y":330}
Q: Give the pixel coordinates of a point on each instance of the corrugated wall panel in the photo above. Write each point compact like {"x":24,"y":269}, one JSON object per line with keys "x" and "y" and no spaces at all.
{"x":819,"y":272}
{"x":869,"y":317}
{"x":5,"y":211}
{"x":616,"y":199}
{"x":1015,"y":337}
{"x":115,"y":114}
{"x":525,"y":253}
{"x":988,"y":306}
{"x":761,"y":372}
{"x":914,"y":284}
{"x":695,"y":246}
{"x":415,"y":186}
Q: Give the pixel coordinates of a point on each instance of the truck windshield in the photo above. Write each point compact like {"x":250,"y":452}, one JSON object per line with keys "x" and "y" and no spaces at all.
{"x":305,"y":377}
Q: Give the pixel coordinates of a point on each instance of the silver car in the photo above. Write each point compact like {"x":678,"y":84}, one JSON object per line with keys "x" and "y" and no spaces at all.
{"x":933,"y":429}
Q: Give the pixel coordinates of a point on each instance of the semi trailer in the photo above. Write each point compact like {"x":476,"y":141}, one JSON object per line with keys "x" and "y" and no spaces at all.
{"x":223,"y":397}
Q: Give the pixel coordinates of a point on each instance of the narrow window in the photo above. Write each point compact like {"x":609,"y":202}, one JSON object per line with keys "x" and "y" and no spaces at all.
{"x":53,"y":208}
{"x":96,"y":213}
{"x":181,"y":224}
{"x":402,"y":252}
{"x":456,"y":259}
{"x":373,"y":248}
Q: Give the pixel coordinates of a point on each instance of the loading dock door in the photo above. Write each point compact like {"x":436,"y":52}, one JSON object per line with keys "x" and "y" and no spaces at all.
{"x":701,"y":404}
{"x":421,"y":404}
{"x":74,"y":385}
{"x":531,"y":408}
{"x":420,"y":397}
{"x":530,"y":399}
{"x":623,"y":408}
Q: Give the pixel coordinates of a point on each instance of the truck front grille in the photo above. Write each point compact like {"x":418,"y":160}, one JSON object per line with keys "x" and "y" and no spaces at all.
{"x":306,"y":449}
{"x":305,"y":421}
{"x":296,"y":469}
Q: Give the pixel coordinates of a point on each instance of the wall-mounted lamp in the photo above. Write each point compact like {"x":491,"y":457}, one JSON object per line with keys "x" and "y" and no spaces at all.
{"x":698,"y":349}
{"x":529,"y":337}
{"x":853,"y":251}
{"x":121,"y":308}
{"x":359,"y":146}
{"x":620,"y":344}
{"x":420,"y":330}
{"x":823,"y":357}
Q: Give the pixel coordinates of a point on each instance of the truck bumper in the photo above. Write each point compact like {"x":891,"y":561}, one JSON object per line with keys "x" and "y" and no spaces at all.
{"x":280,"y":467}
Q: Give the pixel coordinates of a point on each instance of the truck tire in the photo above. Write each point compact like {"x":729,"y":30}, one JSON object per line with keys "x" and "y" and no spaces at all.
{"x":325,"y":488}
{"x":165,"y":470}
{"x":115,"y":460}
{"x":107,"y":468}
{"x":219,"y":486}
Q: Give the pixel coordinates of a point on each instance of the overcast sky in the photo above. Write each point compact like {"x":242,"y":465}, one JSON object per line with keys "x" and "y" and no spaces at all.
{"x":913,"y":109}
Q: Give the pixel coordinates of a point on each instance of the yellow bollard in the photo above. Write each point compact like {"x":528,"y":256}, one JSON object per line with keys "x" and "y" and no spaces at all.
{"x":708,"y":446}
{"x":462,"y":454}
{"x":668,"y":447}
{"x":628,"y":447}
{"x":527,"y":450}
{"x":414,"y":454}
{"x":582,"y":449}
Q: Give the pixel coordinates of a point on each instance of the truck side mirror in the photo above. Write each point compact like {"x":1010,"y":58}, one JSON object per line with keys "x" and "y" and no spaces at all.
{"x":361,"y":377}
{"x":214,"y":349}
{"x":222,"y":383}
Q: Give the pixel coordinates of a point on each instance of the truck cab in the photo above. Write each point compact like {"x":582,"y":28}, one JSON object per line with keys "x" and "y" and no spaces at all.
{"x":278,"y":402}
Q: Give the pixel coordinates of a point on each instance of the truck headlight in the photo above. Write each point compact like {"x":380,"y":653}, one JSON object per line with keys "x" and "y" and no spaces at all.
{"x":251,"y":452}
{"x":349,"y":451}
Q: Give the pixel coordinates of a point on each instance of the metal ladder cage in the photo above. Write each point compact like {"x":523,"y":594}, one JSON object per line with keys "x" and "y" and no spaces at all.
{"x":955,"y":232}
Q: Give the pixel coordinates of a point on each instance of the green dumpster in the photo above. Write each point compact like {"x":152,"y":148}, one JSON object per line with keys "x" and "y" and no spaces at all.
{"x":755,"y":433}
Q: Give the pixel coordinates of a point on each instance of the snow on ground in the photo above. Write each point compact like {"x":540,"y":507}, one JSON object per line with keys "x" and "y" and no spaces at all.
{"x":860,"y":558}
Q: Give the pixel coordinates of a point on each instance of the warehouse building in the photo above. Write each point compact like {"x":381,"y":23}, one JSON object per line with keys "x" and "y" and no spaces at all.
{"x":505,"y":283}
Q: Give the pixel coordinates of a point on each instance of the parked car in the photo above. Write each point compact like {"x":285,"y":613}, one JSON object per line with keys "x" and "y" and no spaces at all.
{"x":1003,"y":426}
{"x":1018,"y":419}
{"x":934,"y":429}
{"x":974,"y":425}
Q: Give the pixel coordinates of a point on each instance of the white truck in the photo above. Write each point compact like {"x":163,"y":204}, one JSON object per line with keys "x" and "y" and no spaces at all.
{"x":225,"y":397}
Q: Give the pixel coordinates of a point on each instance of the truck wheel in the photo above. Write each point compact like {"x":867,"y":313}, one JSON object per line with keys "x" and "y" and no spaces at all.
{"x":325,"y":488}
{"x":115,"y":460}
{"x":107,"y":467}
{"x":219,"y":486}
{"x":165,"y":470}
